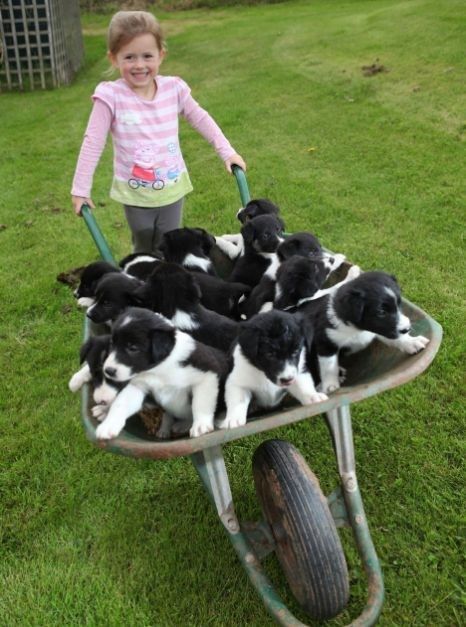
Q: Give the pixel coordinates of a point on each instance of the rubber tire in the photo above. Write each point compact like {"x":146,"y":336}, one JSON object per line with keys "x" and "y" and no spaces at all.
{"x":307,"y":542}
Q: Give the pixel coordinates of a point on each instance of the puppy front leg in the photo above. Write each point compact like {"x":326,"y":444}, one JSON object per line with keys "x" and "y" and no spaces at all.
{"x":230,"y":245}
{"x":303,"y":390}
{"x":329,"y":373}
{"x":203,"y":405}
{"x":237,"y":401}
{"x":409,"y":344}
{"x":80,"y":378}
{"x":127,"y":403}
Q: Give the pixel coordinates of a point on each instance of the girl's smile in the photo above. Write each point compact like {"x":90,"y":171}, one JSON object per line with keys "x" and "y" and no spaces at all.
{"x":138,"y":63}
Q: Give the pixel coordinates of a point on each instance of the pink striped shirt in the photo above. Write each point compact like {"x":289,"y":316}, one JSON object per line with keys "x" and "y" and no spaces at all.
{"x":148,"y":167}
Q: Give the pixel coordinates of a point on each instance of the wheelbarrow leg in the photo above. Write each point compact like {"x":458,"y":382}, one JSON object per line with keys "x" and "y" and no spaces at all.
{"x":210,"y":466}
{"x":339,"y":423}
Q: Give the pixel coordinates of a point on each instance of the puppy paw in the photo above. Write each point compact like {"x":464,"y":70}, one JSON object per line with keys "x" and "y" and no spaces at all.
{"x":330,"y":386}
{"x":315,"y":397}
{"x":354,"y":272}
{"x":341,"y":374}
{"x":75,"y":383}
{"x":231,"y":422}
{"x":181,"y":427}
{"x":413,"y":345}
{"x":100,"y":412}
{"x":107,"y":431}
{"x":201,"y":428}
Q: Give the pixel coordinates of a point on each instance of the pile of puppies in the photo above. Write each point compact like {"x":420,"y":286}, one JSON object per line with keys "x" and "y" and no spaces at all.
{"x":207,"y":349}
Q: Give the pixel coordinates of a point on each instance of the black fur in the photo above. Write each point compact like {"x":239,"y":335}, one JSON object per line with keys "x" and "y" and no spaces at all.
{"x":179,"y":243}
{"x":170,"y":290}
{"x":114,"y":293}
{"x":257,"y":207}
{"x":90,"y":277}
{"x":261,"y":236}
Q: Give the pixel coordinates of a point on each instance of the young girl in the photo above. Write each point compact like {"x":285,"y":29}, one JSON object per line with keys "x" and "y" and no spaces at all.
{"x":141,"y":111}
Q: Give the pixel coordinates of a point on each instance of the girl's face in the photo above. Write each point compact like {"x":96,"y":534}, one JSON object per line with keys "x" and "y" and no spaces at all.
{"x":138,"y":63}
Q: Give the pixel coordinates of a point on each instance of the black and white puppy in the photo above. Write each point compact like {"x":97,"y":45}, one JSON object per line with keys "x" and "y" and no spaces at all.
{"x":232,"y":245}
{"x":174,"y":292}
{"x":269,"y":360}
{"x":152,"y":357}
{"x":139,"y":265}
{"x":262,"y":236}
{"x":94,"y":351}
{"x":113,"y":294}
{"x":298,"y":279}
{"x":190,"y":248}
{"x":352,"y":316}
{"x":92,"y":273}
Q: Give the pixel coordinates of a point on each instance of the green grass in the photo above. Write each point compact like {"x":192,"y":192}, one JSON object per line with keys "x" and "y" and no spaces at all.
{"x":95,"y":539}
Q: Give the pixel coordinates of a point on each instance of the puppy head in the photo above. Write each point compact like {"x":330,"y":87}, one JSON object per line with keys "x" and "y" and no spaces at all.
{"x":169,"y":288}
{"x":178,"y":243}
{"x":114,"y":293}
{"x":304,"y":244}
{"x":298,"y":277}
{"x":263,"y":234}
{"x":257,"y":207}
{"x":141,"y":340}
{"x":372,"y":302}
{"x":273,"y":342}
{"x":85,"y":292}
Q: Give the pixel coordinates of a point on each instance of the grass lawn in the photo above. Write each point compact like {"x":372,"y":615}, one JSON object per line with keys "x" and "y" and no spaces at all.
{"x":375,"y":166}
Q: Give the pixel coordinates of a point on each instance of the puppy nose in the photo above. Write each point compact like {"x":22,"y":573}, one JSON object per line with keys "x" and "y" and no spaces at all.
{"x":286,"y":380}
{"x":110,"y":372}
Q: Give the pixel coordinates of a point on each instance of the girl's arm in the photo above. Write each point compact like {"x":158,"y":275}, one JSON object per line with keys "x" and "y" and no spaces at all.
{"x":92,"y":147}
{"x":200,"y":120}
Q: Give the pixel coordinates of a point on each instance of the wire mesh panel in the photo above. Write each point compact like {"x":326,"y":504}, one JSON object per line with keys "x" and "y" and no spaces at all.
{"x":41,"y":43}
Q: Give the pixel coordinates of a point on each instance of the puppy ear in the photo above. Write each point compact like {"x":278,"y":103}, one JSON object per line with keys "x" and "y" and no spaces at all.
{"x":248,"y":232}
{"x":249,"y":336}
{"x":85,"y":348}
{"x":208,"y":242}
{"x":162,"y":342}
{"x":281,"y":223}
{"x":355,"y":304}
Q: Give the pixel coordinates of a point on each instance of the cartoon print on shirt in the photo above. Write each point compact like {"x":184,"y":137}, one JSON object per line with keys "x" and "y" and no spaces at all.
{"x":145,"y":172}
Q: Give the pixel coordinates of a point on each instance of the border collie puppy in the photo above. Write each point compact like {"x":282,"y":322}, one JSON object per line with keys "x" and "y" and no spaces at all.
{"x":114,"y":293}
{"x":190,"y":248}
{"x":94,"y":351}
{"x":139,"y":265}
{"x":173,"y":292}
{"x":269,"y":360}
{"x":92,"y":273}
{"x":351,"y":316}
{"x":152,"y":357}
{"x":262,"y":236}
{"x":232,"y":245}
{"x":311,"y":274}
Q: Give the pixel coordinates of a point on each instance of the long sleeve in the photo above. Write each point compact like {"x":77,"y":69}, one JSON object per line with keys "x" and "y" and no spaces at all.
{"x":200,"y":120}
{"x":92,"y":147}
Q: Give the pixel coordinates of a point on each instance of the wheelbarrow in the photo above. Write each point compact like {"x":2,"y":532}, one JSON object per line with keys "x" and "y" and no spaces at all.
{"x":299,"y":522}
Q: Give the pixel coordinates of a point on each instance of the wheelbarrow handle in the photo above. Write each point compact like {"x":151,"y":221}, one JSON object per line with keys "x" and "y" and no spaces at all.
{"x":242,"y":184}
{"x":97,"y":234}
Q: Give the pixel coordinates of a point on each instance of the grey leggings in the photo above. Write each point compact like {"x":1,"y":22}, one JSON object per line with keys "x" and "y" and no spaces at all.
{"x":148,"y":224}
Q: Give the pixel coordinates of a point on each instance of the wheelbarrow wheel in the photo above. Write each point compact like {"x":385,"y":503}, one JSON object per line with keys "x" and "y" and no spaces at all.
{"x":307,"y":543}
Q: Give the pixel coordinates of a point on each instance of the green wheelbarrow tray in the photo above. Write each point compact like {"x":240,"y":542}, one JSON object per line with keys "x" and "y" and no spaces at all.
{"x":369,"y":372}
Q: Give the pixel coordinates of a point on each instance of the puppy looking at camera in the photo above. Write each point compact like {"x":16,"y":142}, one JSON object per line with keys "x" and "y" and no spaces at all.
{"x":269,"y":361}
{"x":351,"y":316}
{"x":155,"y":358}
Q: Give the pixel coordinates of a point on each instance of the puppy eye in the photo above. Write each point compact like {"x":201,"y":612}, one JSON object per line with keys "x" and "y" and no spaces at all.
{"x":132,"y":348}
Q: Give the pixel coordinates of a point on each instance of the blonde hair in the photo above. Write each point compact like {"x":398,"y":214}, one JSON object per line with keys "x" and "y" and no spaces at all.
{"x":126,"y":25}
